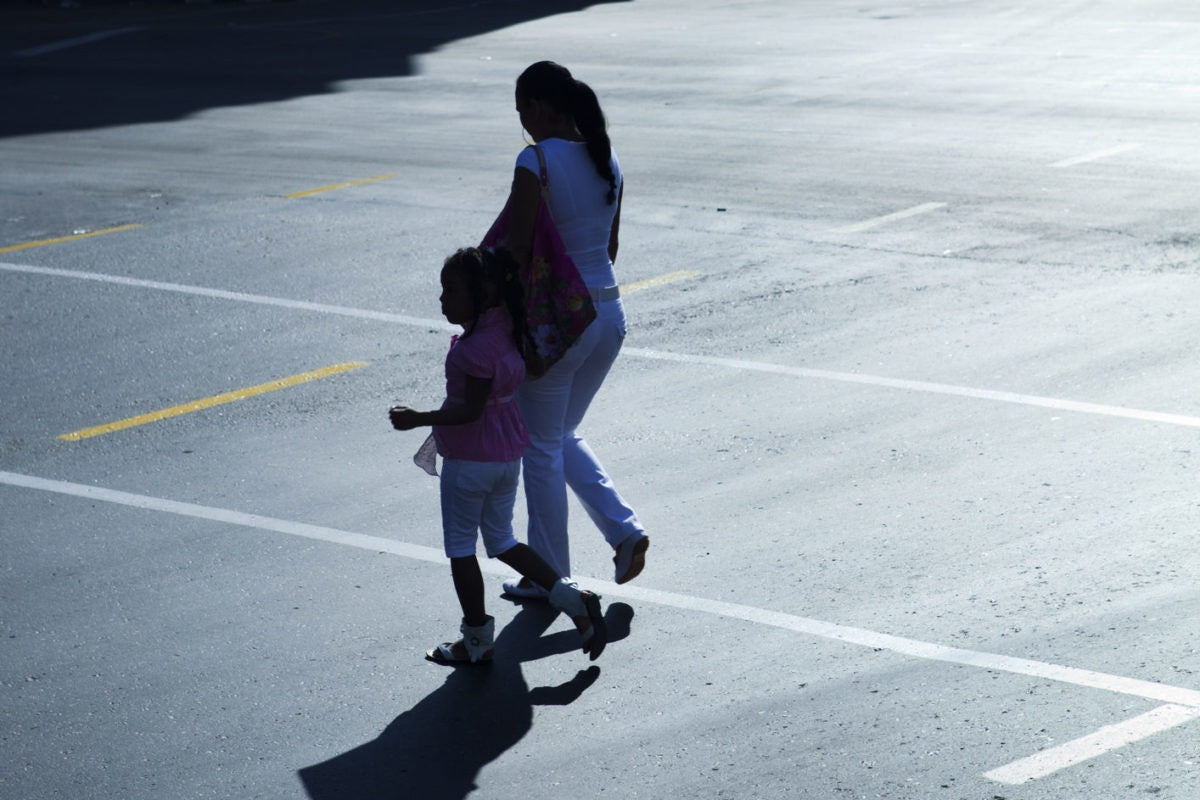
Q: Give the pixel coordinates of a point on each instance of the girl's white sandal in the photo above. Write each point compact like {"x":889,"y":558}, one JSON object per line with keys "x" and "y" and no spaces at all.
{"x":476,"y":646}
{"x":583,"y":607}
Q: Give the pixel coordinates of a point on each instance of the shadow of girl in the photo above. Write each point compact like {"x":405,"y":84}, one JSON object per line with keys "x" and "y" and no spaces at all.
{"x":437,"y":748}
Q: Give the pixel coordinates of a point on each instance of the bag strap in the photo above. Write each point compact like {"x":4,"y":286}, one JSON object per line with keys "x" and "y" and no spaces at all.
{"x":543,"y":177}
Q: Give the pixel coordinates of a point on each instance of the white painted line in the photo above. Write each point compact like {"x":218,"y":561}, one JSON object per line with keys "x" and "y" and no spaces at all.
{"x":1096,"y":156}
{"x":303,"y":530}
{"x":915,"y":647}
{"x":469,"y":7}
{"x":924,"y":208}
{"x":1183,"y":704}
{"x":69,"y":43}
{"x":922,"y":386}
{"x":1108,"y":738}
{"x":812,"y":627}
{"x":221,"y":294}
{"x":681,"y":358}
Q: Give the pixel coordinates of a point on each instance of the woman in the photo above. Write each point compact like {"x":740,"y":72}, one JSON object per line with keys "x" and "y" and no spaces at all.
{"x":564,"y":118}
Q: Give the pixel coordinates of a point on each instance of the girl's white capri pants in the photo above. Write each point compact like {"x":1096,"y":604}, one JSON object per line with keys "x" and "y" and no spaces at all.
{"x":478,"y":496}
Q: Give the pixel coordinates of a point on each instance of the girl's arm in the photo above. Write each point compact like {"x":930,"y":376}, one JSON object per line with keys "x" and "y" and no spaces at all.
{"x":477,"y":393}
{"x":523,"y":205}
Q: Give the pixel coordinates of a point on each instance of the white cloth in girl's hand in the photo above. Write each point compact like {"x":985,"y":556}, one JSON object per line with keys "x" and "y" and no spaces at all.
{"x":426,"y":456}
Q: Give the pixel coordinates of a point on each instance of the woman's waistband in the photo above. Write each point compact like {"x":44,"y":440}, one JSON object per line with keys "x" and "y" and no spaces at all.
{"x":605,"y":295}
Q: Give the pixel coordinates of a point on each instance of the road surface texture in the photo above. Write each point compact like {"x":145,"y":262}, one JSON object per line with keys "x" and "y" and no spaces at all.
{"x":908,"y":402}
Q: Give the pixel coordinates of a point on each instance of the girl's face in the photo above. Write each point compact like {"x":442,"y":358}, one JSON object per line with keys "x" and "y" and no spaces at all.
{"x":457,"y":305}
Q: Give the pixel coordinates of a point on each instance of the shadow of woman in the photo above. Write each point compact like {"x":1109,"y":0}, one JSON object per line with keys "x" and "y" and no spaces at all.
{"x":437,"y":748}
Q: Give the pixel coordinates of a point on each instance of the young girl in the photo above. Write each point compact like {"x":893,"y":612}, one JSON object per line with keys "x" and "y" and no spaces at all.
{"x":481,"y":435}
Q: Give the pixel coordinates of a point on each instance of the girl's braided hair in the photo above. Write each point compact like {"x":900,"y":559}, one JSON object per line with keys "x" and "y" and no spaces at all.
{"x":495,"y":268}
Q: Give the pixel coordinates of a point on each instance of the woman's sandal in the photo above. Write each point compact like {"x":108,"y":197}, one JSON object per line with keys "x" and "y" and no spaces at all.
{"x":630,"y":558}
{"x":583,"y":607}
{"x":523,"y":589}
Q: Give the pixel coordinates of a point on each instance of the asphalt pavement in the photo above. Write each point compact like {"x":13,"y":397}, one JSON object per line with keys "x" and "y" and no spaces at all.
{"x":907,"y":405}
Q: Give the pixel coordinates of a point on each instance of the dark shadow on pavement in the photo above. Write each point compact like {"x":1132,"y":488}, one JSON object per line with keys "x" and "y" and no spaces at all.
{"x":437,"y":748}
{"x":102,"y":64}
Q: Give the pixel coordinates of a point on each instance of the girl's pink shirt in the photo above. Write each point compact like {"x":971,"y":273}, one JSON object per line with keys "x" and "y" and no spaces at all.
{"x":488,"y":352}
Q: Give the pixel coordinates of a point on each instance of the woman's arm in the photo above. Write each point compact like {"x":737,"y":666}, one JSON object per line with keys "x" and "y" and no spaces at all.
{"x":477,"y":392}
{"x":523,"y":205}
{"x":616,"y":227}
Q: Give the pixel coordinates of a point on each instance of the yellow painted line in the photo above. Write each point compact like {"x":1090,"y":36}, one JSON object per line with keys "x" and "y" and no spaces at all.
{"x":650,"y":283}
{"x":43,"y":242}
{"x":209,"y":402}
{"x":345,"y":185}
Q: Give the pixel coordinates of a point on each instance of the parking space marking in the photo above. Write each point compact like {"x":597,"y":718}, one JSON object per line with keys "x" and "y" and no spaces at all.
{"x":240,"y":297}
{"x":924,"y":208}
{"x":442,"y":8}
{"x":1096,"y":156}
{"x":79,"y":40}
{"x":1108,"y":738}
{"x":953,"y":390}
{"x":344,"y":185}
{"x":209,"y":402}
{"x":12,"y":248}
{"x":1182,"y":704}
{"x":650,"y":283}
{"x":1055,"y":403}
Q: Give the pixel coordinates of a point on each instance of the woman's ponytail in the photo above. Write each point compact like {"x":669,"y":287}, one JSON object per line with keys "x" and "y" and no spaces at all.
{"x":589,"y":119}
{"x":553,"y":84}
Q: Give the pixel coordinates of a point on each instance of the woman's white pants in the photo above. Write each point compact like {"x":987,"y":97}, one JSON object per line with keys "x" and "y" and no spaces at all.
{"x":554,"y":406}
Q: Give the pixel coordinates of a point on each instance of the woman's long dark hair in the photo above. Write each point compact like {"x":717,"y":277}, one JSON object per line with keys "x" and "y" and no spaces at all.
{"x":554,"y":85}
{"x":496,"y":267}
